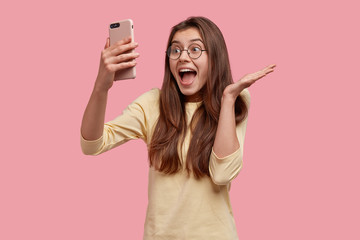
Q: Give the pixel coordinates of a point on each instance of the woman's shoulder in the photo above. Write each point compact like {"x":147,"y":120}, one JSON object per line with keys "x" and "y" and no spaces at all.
{"x":245,"y":94}
{"x":150,"y":96}
{"x":148,"y":102}
{"x":154,"y":92}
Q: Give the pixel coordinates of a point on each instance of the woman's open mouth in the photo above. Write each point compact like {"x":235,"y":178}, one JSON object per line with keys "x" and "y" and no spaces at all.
{"x":187,"y":76}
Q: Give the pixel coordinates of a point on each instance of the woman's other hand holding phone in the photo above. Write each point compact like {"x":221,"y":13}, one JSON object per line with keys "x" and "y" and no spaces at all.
{"x":113,"y":58}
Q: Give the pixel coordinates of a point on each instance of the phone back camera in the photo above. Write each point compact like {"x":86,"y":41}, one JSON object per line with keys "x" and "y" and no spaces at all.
{"x":114,"y":25}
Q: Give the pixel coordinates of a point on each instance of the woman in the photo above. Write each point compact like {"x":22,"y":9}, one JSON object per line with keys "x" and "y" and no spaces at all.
{"x":194,"y":128}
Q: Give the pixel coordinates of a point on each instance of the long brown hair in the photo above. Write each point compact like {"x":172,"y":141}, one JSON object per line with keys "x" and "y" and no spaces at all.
{"x":169,"y":133}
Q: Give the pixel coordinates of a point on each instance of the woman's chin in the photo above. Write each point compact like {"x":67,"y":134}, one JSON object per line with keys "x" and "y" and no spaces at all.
{"x":191,"y":96}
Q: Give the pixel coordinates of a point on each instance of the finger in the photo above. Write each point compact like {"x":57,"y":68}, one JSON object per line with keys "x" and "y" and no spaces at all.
{"x":123,"y":58}
{"x":121,"y":42}
{"x":122,"y":48}
{"x":124,"y":65}
{"x":256,"y":76}
{"x":269,"y":71}
{"x":272,"y":66}
{"x":107,"y":44}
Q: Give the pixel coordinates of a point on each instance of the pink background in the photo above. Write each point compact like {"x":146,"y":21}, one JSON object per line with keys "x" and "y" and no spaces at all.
{"x":301,"y":163}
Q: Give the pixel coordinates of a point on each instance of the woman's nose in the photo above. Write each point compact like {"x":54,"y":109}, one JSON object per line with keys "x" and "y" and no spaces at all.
{"x":184,"y":56}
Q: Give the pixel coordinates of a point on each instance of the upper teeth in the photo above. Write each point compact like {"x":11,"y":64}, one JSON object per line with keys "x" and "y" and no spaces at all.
{"x":186,"y":70}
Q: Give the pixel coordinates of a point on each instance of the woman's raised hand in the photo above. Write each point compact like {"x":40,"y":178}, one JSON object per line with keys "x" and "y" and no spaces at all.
{"x":233,"y":90}
{"x":113,"y":58}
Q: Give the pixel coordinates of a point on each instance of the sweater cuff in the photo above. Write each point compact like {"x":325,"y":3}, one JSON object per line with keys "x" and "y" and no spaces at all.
{"x":227,"y":158}
{"x":90,"y":147}
{"x":224,"y":170}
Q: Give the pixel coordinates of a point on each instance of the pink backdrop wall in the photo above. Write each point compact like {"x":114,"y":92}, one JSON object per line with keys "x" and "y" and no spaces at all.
{"x":300,"y":178}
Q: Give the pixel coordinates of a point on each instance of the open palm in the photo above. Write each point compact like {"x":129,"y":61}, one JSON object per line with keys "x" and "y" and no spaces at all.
{"x":233,"y":90}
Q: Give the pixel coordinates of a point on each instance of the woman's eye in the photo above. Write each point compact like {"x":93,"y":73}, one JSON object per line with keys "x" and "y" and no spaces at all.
{"x":195,"y":49}
{"x":175,"y":50}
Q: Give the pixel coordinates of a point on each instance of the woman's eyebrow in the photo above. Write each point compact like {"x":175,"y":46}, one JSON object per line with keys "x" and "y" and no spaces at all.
{"x":196,"y":39}
{"x":191,"y":40}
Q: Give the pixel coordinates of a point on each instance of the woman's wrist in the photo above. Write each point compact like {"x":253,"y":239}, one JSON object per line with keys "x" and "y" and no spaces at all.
{"x":228,"y":99}
{"x":100,"y":90}
{"x":232,"y":92}
{"x":101,"y":86}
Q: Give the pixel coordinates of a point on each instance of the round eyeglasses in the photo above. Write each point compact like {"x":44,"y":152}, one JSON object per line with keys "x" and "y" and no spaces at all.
{"x":194,"y":51}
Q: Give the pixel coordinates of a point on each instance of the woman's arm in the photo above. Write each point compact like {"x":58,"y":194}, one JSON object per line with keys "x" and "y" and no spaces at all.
{"x":226,"y":141}
{"x":113,"y":58}
{"x":226,"y":157}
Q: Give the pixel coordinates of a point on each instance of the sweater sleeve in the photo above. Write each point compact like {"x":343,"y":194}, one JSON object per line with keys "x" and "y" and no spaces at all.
{"x":224,"y":170}
{"x":131,"y":124}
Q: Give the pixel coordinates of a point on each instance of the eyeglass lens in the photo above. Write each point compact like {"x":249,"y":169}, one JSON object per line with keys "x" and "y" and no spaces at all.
{"x":194,"y":51}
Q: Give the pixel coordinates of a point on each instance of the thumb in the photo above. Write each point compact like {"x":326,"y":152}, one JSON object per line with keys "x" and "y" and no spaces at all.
{"x":107,"y":43}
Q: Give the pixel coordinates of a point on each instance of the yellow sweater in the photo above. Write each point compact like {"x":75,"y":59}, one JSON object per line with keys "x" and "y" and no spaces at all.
{"x":179,"y":206}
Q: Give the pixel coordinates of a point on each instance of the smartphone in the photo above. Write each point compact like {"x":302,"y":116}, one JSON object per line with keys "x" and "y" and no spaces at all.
{"x":118,"y":31}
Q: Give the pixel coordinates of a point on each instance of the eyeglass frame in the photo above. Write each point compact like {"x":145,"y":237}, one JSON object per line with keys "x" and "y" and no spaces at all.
{"x":187,"y":50}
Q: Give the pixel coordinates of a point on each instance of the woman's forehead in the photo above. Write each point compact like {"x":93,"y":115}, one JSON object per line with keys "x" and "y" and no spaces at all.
{"x":187,"y":36}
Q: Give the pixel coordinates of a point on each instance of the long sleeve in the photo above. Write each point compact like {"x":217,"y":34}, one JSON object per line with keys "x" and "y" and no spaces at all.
{"x":133,"y":123}
{"x":224,"y":170}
